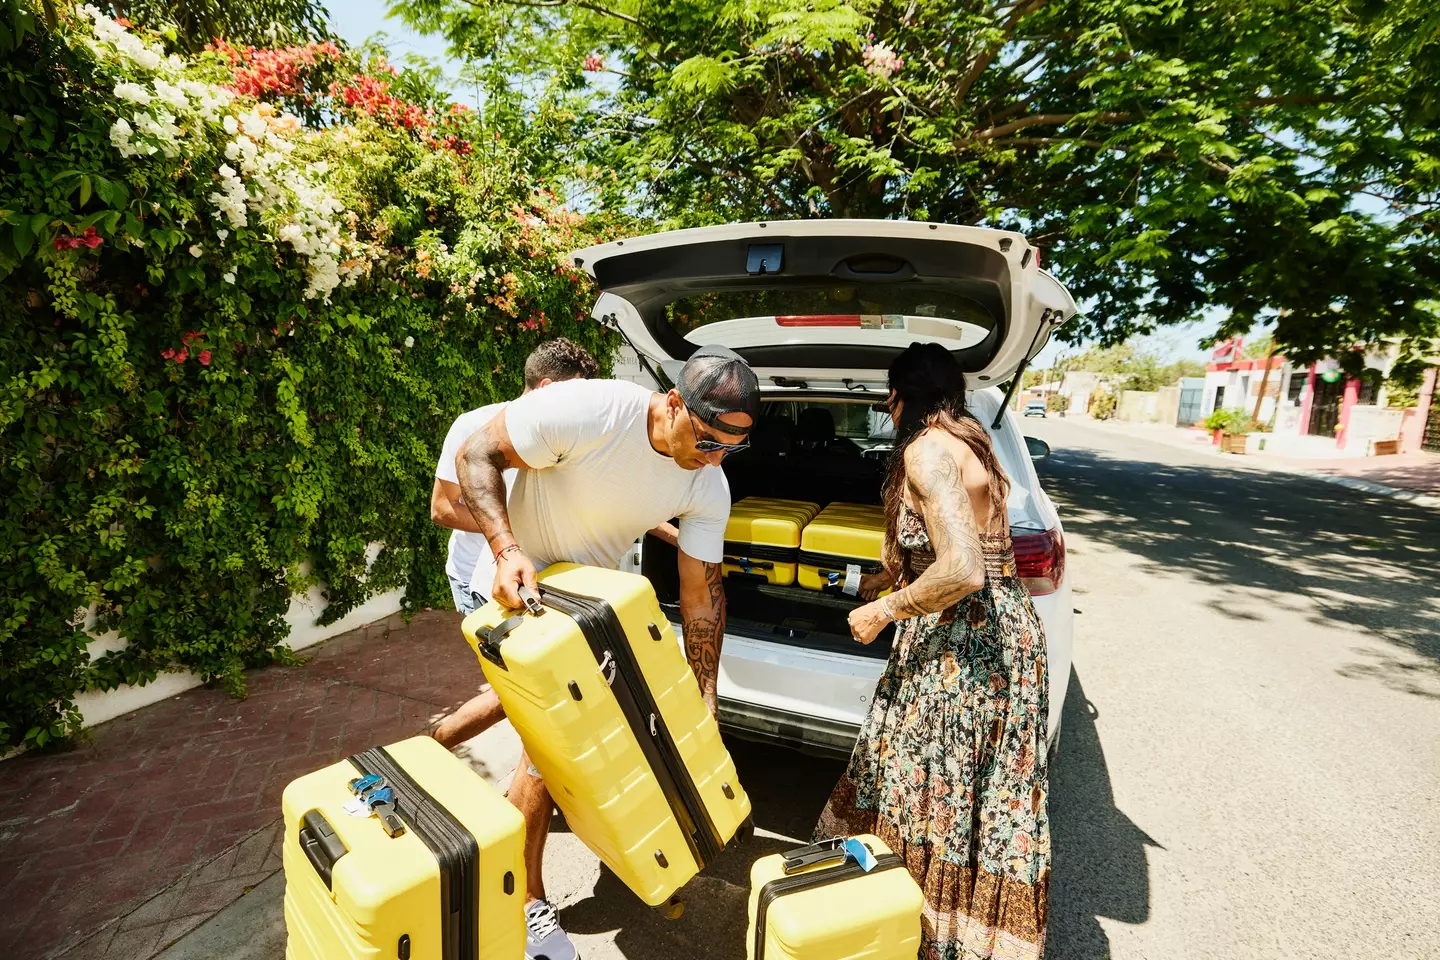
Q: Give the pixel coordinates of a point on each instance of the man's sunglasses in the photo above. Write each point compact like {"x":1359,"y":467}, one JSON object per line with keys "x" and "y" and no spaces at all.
{"x":705,"y":445}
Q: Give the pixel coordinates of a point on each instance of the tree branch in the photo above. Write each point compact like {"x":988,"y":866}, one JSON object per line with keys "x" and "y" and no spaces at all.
{"x":583,"y":4}
{"x":983,"y":61}
{"x":1048,"y":120}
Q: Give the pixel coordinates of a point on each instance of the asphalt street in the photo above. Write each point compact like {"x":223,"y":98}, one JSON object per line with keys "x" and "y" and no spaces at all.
{"x":1249,"y":764}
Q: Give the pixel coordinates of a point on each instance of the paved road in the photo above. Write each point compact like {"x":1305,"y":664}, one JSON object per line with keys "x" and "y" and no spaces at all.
{"x":1249,"y":763}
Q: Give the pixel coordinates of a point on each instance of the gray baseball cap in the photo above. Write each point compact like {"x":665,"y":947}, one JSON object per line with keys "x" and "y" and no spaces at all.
{"x":716,"y":380}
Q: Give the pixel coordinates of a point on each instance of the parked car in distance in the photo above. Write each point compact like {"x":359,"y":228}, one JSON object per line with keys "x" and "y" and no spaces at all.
{"x":820,"y":308}
{"x":1034,"y":408}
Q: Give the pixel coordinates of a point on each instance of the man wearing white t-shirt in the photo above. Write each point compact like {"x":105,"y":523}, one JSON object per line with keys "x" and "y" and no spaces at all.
{"x":600,"y":463}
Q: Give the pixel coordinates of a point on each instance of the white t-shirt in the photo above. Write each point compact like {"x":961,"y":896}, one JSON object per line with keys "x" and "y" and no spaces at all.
{"x":468,"y":550}
{"x":596,"y":484}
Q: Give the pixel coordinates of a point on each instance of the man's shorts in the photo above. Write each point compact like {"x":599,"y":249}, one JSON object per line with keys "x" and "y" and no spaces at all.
{"x":464,"y":599}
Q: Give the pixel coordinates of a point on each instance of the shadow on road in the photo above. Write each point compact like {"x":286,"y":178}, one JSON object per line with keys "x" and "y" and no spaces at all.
{"x":1334,"y":555}
{"x":1100,"y":868}
{"x":787,"y":790}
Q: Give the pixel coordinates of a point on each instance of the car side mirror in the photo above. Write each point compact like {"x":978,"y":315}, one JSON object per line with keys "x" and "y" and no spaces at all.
{"x":1039,"y":449}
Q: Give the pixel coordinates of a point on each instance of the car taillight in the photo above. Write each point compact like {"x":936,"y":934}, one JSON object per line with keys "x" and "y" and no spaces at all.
{"x":1040,"y":559}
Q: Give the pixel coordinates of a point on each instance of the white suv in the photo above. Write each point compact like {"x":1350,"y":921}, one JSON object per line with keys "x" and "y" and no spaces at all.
{"x":819,"y":309}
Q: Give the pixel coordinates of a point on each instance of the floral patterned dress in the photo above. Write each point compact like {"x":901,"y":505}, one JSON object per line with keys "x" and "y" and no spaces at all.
{"x":950,"y":767}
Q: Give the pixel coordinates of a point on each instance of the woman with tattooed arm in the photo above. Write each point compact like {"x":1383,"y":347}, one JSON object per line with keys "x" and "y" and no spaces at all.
{"x":950,"y":769}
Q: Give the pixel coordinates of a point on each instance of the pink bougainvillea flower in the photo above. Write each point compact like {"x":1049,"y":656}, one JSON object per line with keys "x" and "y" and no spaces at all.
{"x":168,"y":354}
{"x":89,"y":238}
{"x":592,"y":64}
{"x":182,"y":356}
{"x":204,"y":358}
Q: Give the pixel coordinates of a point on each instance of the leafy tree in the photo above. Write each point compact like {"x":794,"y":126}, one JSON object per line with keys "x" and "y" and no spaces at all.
{"x":260,"y":23}
{"x":1166,"y":156}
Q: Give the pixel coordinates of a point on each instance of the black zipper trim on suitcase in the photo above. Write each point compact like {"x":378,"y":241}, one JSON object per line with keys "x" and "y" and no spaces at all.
{"x":454,"y":848}
{"x":810,"y":880}
{"x":603,"y":631}
{"x":810,"y":558}
{"x":761,"y":551}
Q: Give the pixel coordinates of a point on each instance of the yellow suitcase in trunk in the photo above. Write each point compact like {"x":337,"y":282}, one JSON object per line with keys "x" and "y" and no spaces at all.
{"x":841,"y":537}
{"x":601,"y":694}
{"x":762,"y":538}
{"x":815,"y":903}
{"x":448,"y":885}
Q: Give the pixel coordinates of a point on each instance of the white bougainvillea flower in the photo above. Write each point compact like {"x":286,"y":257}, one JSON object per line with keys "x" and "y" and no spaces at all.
{"x":133,"y":92}
{"x":232,"y":126}
{"x":409,"y":342}
{"x":222,"y":234}
{"x":228,"y":276}
{"x":196,"y":250}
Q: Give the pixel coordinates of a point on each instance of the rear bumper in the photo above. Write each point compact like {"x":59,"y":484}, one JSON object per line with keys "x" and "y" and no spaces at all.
{"x":814,"y":735}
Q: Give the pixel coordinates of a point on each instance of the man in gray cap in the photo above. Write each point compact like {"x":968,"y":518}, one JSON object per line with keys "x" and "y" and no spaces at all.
{"x":601,"y":462}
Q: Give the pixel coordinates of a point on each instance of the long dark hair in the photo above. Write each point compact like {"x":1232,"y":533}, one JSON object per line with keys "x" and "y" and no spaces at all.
{"x":926,"y":378}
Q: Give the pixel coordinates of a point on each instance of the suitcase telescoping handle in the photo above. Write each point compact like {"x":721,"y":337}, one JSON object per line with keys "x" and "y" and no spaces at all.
{"x":826,"y":851}
{"x":321,"y":844}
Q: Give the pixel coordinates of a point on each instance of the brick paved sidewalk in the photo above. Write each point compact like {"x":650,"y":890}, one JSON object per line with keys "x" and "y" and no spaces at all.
{"x":181,"y":799}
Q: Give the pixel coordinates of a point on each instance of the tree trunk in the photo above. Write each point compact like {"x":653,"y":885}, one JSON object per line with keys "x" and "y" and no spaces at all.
{"x":1264,"y":380}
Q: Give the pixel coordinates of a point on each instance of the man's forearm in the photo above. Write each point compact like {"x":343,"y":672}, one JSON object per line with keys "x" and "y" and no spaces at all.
{"x":480,"y":468}
{"x":702,"y":610}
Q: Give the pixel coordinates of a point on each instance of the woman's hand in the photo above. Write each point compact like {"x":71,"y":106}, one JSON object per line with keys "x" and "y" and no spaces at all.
{"x":866,"y":622}
{"x":872,"y":583}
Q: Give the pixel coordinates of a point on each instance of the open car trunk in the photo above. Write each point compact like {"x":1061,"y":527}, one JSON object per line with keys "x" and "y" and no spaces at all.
{"x":796,"y":455}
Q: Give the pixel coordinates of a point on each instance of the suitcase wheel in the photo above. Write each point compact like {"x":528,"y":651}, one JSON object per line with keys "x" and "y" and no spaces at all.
{"x":745,"y":831}
{"x":672,"y":909}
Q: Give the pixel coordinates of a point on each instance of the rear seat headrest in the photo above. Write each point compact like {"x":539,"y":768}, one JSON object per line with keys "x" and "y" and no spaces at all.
{"x":773,"y":434}
{"x":815,"y":426}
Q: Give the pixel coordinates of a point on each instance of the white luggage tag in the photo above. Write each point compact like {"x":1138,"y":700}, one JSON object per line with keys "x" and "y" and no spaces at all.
{"x":852,"y":579}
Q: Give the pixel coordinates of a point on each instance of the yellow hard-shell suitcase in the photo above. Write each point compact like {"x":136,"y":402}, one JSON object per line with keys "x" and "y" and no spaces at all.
{"x":841,"y":537}
{"x":815,"y":903}
{"x":600,"y":692}
{"x":448,"y":885}
{"x":762,"y":539}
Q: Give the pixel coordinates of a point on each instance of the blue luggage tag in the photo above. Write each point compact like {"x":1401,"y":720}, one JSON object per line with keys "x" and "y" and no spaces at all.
{"x":368,"y":782}
{"x":379,"y":795}
{"x":860,"y":853}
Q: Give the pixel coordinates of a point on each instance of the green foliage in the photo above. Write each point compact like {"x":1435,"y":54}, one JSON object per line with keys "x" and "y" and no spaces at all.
{"x":260,"y":23}
{"x":1136,"y":369}
{"x":1232,"y":420}
{"x":1057,"y":403}
{"x":198,"y":401}
{"x":1102,"y":406}
{"x":1166,"y":156}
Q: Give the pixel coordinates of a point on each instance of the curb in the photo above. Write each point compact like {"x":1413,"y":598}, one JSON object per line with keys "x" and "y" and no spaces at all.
{"x":1365,"y":486}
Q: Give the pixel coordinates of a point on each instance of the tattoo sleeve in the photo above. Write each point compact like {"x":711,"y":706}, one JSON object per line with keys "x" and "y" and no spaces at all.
{"x":703,"y":613}
{"x":934,"y":481}
{"x":480,"y":468}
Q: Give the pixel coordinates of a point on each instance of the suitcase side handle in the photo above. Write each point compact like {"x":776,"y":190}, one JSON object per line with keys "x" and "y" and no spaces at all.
{"x":322,"y":846}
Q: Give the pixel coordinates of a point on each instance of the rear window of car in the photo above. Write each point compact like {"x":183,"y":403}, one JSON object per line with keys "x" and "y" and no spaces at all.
{"x":923,"y":309}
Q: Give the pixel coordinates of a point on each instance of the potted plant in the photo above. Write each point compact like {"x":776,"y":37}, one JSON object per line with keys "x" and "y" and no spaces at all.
{"x":1218,"y":423}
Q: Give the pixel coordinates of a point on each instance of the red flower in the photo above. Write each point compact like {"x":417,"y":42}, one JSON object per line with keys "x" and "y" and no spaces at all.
{"x":204,"y":358}
{"x":192,"y":336}
{"x":182,"y":356}
{"x":90,"y":238}
{"x":168,"y":354}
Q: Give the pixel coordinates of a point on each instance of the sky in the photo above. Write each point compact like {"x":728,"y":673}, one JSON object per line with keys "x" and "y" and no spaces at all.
{"x":358,"y":20}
